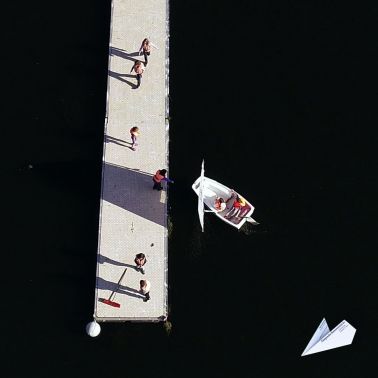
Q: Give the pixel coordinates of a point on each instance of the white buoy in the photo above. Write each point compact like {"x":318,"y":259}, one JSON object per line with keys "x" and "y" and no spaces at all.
{"x":93,"y":329}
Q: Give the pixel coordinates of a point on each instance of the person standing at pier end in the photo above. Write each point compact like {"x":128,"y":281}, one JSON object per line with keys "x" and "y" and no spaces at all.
{"x":140,"y":260}
{"x":145,"y":287}
{"x":139,"y":68}
{"x":160,"y":176}
{"x":146,"y":49}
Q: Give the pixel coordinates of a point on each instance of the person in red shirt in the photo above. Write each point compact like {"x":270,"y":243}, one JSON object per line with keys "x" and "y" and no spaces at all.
{"x":160,"y":176}
{"x":238,"y":203}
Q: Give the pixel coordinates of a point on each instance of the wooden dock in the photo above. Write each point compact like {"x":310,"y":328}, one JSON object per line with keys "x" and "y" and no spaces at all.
{"x":133,"y":217}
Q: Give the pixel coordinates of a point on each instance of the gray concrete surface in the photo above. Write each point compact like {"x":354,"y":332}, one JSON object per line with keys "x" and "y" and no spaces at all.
{"x":133,"y":217}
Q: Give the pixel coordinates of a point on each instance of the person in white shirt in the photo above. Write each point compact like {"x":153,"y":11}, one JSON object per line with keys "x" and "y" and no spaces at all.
{"x":219,"y":204}
{"x":145,"y":287}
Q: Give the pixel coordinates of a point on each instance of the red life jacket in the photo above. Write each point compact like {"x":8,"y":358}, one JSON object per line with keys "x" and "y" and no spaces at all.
{"x":237,"y":204}
{"x":158,"y":177}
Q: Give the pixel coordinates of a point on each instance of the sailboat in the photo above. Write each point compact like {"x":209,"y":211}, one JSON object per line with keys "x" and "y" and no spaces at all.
{"x":324,"y":339}
{"x":208,"y":190}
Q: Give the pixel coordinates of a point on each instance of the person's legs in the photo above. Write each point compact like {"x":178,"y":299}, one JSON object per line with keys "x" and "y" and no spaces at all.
{"x":139,"y":79}
{"x":230,"y":201}
{"x":133,"y":140}
{"x":232,"y":213}
{"x":145,"y":57}
{"x":146,"y":297}
{"x":237,"y":212}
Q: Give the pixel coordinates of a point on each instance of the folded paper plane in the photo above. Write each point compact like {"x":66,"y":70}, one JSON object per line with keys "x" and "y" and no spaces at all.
{"x":324,"y":339}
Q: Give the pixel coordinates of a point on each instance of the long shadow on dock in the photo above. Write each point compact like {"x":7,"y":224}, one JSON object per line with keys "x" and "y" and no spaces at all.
{"x":112,"y":286}
{"x":107,"y":260}
{"x":120,"y":77}
{"x":115,"y":51}
{"x":131,"y":190}
{"x":120,"y":142}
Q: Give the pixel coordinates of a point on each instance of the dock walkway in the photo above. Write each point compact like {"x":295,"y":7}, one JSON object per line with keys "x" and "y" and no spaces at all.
{"x":133,"y":217}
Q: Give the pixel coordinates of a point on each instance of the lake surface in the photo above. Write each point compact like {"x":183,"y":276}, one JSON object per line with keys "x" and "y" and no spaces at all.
{"x":278,"y":98}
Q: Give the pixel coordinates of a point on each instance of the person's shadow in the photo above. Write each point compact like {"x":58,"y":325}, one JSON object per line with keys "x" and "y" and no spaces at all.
{"x":120,"y":142}
{"x":120,"y":289}
{"x":115,"y":51}
{"x":103,"y":259}
{"x":120,"y":77}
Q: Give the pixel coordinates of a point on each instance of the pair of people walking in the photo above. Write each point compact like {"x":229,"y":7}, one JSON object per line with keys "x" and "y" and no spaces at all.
{"x":144,"y":285}
{"x":140,"y":66}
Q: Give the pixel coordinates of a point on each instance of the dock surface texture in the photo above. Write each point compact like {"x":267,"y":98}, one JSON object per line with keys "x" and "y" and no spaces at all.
{"x":133,"y":216}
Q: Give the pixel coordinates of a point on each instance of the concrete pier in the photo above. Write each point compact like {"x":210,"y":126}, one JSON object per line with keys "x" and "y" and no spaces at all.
{"x":133,"y":217}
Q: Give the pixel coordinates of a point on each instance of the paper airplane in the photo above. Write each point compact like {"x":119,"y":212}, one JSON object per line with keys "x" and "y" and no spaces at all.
{"x":324,"y":339}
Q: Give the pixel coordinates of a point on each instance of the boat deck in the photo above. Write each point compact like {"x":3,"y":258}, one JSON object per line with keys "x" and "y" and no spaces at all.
{"x":133,"y":217}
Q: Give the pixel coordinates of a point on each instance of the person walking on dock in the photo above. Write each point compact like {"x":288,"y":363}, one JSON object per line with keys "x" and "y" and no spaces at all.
{"x":145,"y":287}
{"x":146,"y":49}
{"x":160,"y":176}
{"x":140,"y":260}
{"x":139,"y":68}
{"x":134,"y":132}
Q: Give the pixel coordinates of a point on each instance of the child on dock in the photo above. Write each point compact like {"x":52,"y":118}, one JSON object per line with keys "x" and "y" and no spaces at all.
{"x":134,"y":132}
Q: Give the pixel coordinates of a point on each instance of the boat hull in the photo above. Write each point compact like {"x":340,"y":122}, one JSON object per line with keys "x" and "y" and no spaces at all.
{"x":213,"y":189}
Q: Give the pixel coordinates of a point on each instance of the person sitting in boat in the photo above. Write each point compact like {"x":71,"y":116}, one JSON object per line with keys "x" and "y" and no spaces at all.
{"x":238,"y":203}
{"x":219,"y":204}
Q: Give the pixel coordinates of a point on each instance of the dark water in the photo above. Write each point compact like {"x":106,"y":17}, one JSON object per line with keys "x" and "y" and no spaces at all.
{"x":280,"y":100}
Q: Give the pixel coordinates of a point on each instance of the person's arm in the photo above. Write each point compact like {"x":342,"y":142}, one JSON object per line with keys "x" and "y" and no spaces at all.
{"x":132,"y":68}
{"x":142,"y":45}
{"x":167,"y":179}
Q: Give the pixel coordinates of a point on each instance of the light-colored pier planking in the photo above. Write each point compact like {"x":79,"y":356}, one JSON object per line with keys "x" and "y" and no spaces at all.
{"x":133,"y":217}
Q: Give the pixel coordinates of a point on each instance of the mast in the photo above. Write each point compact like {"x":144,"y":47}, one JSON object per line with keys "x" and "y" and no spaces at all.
{"x":200,"y":196}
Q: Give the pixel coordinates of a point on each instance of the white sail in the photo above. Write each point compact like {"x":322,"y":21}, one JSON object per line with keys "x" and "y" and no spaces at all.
{"x":324,"y":339}
{"x":200,"y":196}
{"x":322,"y":330}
